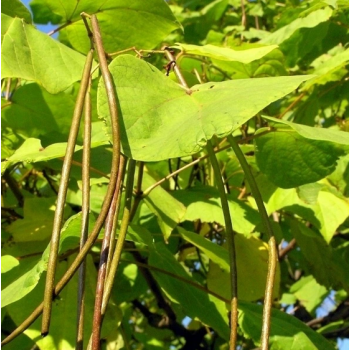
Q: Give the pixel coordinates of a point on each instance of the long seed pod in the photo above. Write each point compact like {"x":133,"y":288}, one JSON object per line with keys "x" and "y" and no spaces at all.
{"x":99,"y":222}
{"x":231,"y":246}
{"x":61,"y":198}
{"x":103,"y":295}
{"x":273,"y":255}
{"x":84,"y":217}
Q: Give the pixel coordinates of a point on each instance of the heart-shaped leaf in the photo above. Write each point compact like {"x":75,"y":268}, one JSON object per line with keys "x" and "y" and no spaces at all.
{"x":161,"y":120}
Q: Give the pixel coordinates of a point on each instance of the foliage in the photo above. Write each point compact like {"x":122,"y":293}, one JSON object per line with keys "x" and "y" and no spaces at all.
{"x":272,"y":74}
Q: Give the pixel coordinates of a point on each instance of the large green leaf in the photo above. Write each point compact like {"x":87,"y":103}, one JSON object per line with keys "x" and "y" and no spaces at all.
{"x":162,"y":120}
{"x":310,"y":21}
{"x":287,"y":332}
{"x":251,"y":257}
{"x":121,"y":22}
{"x":194,"y":302}
{"x":14,"y":8}
{"x":22,"y":57}
{"x":203,"y":203}
{"x":225,"y":53}
{"x":290,"y":160}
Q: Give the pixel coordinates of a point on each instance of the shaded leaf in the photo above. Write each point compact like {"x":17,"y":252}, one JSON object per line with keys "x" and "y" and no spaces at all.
{"x":307,"y":160}
{"x":203,"y":203}
{"x":62,"y":334}
{"x":172,"y":122}
{"x":310,"y":21}
{"x":44,"y":117}
{"x":22,"y":57}
{"x":309,"y":292}
{"x":194,"y":302}
{"x":329,"y":266}
{"x":69,"y":239}
{"x":251,"y":257}
{"x":14,"y":8}
{"x":287,"y":332}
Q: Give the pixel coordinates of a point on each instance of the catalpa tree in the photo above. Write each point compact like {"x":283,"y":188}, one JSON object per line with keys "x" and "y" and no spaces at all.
{"x":174,"y":174}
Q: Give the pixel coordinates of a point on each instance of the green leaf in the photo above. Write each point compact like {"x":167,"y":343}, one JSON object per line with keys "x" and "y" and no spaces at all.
{"x":203,"y":203}
{"x":251,"y":257}
{"x":326,"y":70}
{"x":309,"y":292}
{"x":287,"y":332}
{"x":167,"y":209}
{"x":37,"y":222}
{"x":24,"y":284}
{"x":310,"y":21}
{"x":32,"y":151}
{"x":326,"y":214}
{"x":194,"y":302}
{"x":62,"y":334}
{"x":168,"y":122}
{"x":290,"y":160}
{"x":48,"y":115}
{"x":121,"y":22}
{"x":22,"y":57}
{"x":69,"y":239}
{"x":8,"y":262}
{"x":129,"y":283}
{"x":226,"y":54}
{"x":139,"y":234}
{"x":319,"y":134}
{"x":14,"y":8}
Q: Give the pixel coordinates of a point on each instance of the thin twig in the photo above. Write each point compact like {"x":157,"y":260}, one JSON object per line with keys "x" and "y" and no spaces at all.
{"x":283,"y":252}
{"x":8,"y":89}
{"x":273,"y":255}
{"x":299,"y":98}
{"x":231,"y":246}
{"x":61,"y":198}
{"x":59,"y":28}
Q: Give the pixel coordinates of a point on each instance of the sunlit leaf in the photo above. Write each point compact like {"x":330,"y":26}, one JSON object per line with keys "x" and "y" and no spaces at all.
{"x":226,"y":54}
{"x":22,"y":57}
{"x":121,"y":22}
{"x":172,"y":122}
